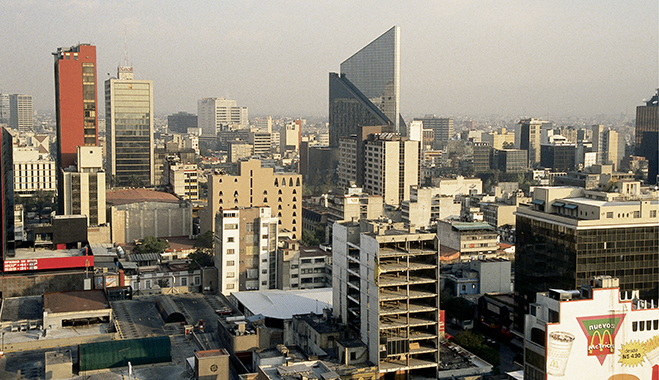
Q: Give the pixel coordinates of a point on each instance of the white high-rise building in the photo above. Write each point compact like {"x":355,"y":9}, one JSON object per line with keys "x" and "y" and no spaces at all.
{"x":391,"y":166}
{"x":84,"y":187}
{"x":605,"y":143}
{"x":216,"y":113}
{"x":20,"y":112}
{"x":129,"y":127}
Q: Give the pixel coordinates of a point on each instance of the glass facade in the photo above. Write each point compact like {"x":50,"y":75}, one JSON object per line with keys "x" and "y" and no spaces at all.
{"x":367,"y":92}
{"x":550,"y":255}
{"x":129,"y":114}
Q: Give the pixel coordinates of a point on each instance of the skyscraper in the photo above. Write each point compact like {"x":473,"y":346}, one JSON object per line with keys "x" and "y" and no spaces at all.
{"x":367,"y":91}
{"x":647,"y":135}
{"x":129,"y":126}
{"x":20,"y":112}
{"x":75,"y":101}
{"x":442,"y":126}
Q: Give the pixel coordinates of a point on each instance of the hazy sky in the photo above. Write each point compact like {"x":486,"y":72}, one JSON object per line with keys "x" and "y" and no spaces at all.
{"x":543,"y":58}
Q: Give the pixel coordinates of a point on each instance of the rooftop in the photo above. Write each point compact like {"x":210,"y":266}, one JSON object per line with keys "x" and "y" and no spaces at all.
{"x":464,"y":226}
{"x":283,"y":304}
{"x":128,"y":196}
{"x":77,"y":300}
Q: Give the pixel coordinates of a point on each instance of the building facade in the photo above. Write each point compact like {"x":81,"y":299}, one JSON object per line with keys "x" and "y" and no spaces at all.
{"x":180,"y":122}
{"x":246,"y":249}
{"x":386,"y":290}
{"x":441,"y":126}
{"x":367,"y":91}
{"x":20,"y":112}
{"x":256,"y":186}
{"x":33,"y":172}
{"x":84,"y":188}
{"x":391,"y":166}
{"x":530,"y":138}
{"x":646,"y":138}
{"x":129,"y":127}
{"x":6,"y":195}
{"x":214,"y":114}
{"x":567,"y":235}
{"x":183,"y":180}
{"x":75,"y":101}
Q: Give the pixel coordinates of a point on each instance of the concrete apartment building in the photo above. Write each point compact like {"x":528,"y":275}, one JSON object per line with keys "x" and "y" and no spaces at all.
{"x":20,"y":112}
{"x":300,"y":267}
{"x":84,"y":188}
{"x":566,"y":235}
{"x":183,"y":180}
{"x":238,"y":150}
{"x":530,"y":137}
{"x":391,"y":166}
{"x":256,"y":186}
{"x":246,"y":249}
{"x":500,"y":139}
{"x":472,"y":239}
{"x":386,"y":290}
{"x":261,"y":143}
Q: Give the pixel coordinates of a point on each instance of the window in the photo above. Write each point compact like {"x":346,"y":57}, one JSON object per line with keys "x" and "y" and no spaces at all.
{"x":264,"y":271}
{"x":231,"y":226}
{"x":653,"y":213}
{"x":319,"y":260}
{"x":230,"y":239}
{"x":637,"y":214}
{"x":231,"y":251}
{"x":197,"y":280}
{"x":231,"y":274}
{"x":229,"y":286}
{"x":184,"y":281}
{"x":609,"y":215}
{"x":231,"y":263}
{"x":264,"y":282}
{"x":294,"y":276}
{"x":306,"y":261}
{"x":148,"y":284}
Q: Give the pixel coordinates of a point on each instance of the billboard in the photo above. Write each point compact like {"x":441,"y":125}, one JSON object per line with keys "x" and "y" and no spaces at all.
{"x":49,"y":263}
{"x":603,"y":338}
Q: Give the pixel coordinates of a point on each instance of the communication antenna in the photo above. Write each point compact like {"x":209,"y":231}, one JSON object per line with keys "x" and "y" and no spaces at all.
{"x":125,"y":46}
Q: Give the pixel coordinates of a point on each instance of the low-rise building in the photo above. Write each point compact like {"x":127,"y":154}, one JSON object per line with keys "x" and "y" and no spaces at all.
{"x":473,"y":240}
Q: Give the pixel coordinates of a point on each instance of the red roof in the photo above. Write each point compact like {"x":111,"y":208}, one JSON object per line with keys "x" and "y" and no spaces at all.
{"x":122,"y":197}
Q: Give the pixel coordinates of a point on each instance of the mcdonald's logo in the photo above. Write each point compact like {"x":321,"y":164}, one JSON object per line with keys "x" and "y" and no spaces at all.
{"x":601,"y":345}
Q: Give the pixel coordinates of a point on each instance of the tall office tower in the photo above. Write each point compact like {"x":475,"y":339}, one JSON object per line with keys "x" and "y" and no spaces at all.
{"x":129,"y":127}
{"x":20,"y":112}
{"x":256,"y":186}
{"x":391,"y":166}
{"x":6,"y":195}
{"x":482,"y":157}
{"x":246,"y":249}
{"x":386,"y":289}
{"x":558,"y":156}
{"x":443,"y":127}
{"x":530,"y":137}
{"x":647,"y":135}
{"x":180,"y":122}
{"x":367,"y":91}
{"x":566,"y":235}
{"x":216,"y":114}
{"x":75,"y":101}
{"x":83,"y":188}
{"x":4,"y":109}
{"x":605,"y":143}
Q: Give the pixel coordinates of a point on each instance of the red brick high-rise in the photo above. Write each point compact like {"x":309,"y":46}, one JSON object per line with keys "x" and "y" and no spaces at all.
{"x":75,"y":101}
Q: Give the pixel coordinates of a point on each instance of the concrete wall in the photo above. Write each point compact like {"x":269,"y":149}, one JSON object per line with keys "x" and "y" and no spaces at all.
{"x":136,"y":221}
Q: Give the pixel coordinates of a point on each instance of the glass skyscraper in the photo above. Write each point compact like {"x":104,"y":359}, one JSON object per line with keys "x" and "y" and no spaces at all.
{"x":367,"y":91}
{"x":129,"y":127}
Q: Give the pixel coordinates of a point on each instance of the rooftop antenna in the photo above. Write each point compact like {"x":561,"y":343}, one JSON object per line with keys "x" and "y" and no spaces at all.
{"x":125,"y":46}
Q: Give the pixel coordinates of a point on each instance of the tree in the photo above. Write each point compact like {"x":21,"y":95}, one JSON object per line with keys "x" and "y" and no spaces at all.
{"x":459,"y":308}
{"x":151,"y":244}
{"x":203,"y":255}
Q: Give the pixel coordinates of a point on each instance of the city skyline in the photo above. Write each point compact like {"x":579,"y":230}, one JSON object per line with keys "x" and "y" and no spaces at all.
{"x":533,"y":59}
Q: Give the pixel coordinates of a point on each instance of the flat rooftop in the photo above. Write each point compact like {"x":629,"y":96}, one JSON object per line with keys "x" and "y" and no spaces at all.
{"x":128,"y":196}
{"x":21,"y":308}
{"x":283,"y":304}
{"x":78,"y":300}
{"x":29,"y":253}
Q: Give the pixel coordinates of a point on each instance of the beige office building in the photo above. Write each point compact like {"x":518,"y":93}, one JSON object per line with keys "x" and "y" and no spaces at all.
{"x":256,"y":186}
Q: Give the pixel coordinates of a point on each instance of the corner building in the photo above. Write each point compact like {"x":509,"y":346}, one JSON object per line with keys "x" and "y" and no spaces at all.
{"x":567,"y":235}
